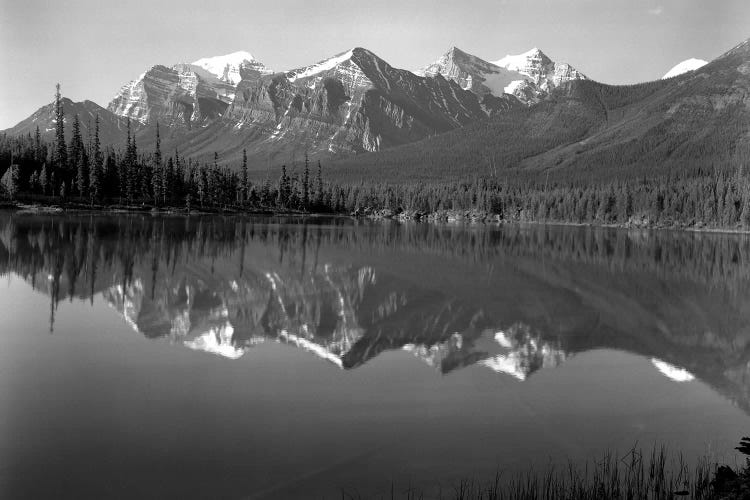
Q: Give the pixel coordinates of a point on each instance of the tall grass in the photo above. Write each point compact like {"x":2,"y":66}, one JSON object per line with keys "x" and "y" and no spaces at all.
{"x":634,"y":476}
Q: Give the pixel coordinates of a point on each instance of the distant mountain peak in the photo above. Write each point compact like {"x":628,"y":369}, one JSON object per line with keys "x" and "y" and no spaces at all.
{"x":687,"y":65}
{"x":227,"y":67}
{"x":357,"y":55}
{"x":528,"y":76}
{"x":519,"y":62}
{"x":471,"y":73}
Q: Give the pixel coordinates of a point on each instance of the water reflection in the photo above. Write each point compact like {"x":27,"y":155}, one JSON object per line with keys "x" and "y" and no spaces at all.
{"x":513,"y":299}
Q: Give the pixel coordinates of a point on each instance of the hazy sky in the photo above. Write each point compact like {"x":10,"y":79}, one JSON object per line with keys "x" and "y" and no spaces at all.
{"x":93,"y":47}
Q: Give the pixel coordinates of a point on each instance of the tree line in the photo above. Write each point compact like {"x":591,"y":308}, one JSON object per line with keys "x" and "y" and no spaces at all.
{"x":82,"y":171}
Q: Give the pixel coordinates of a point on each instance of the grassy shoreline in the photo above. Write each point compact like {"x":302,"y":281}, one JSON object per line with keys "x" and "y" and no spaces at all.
{"x":658,"y":475}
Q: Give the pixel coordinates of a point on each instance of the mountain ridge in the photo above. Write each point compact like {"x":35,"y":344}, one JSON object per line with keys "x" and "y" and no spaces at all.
{"x":355,"y":102}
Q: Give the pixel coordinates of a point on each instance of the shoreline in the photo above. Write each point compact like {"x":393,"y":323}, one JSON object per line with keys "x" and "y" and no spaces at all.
{"x":453,"y":217}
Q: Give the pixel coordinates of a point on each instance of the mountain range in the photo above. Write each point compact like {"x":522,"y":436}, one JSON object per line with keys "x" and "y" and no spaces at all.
{"x":460,"y":112}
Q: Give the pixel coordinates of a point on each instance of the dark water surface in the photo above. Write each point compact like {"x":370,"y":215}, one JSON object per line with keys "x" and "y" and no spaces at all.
{"x":218,"y":357}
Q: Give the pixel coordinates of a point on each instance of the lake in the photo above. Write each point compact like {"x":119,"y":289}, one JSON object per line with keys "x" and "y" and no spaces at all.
{"x":256,"y":358}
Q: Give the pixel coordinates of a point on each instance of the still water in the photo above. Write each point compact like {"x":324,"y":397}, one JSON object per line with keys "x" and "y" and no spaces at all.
{"x":221,"y":357}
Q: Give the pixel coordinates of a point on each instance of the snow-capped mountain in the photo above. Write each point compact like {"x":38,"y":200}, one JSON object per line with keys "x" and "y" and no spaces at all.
{"x":350,"y":103}
{"x":542,"y":73}
{"x":687,"y":65}
{"x":472,"y":73}
{"x":528,"y":76}
{"x":185,"y":94}
{"x":230,"y":67}
{"x":353,"y":102}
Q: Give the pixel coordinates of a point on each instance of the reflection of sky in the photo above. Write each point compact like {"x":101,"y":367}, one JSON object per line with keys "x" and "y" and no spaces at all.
{"x":95,"y":405}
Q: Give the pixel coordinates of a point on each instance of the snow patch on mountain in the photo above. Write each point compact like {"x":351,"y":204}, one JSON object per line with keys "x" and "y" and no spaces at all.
{"x":515,"y":87}
{"x":687,"y":65}
{"x":319,"y":67}
{"x":519,"y":62}
{"x":227,"y":67}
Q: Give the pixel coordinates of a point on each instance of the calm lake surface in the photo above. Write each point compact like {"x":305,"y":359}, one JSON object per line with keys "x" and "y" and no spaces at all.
{"x":221,"y":357}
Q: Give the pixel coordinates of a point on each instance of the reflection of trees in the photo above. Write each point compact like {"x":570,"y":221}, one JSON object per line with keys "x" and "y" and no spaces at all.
{"x":680,"y":297}
{"x":76,"y":257}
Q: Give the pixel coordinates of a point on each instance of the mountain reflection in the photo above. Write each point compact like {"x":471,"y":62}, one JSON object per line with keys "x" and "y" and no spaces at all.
{"x":511,"y":299}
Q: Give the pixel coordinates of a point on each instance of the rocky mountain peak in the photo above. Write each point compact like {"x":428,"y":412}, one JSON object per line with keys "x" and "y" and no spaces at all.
{"x":528,"y":63}
{"x":228,"y":68}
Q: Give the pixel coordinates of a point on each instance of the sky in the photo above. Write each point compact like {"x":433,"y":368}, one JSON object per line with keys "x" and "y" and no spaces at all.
{"x":93,"y":47}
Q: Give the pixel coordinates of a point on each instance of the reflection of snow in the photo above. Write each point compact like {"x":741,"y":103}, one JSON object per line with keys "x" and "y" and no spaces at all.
{"x":512,"y":364}
{"x":217,"y":341}
{"x":524,"y":353}
{"x":311,"y":347}
{"x":672,"y":372}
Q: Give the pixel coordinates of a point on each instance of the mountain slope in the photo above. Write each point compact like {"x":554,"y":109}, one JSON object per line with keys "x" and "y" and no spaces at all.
{"x":695,"y":120}
{"x":351,"y":103}
{"x":112,"y":128}
{"x":185,"y":95}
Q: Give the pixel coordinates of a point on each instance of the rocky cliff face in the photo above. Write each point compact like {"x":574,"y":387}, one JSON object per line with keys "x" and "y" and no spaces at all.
{"x":355,"y":102}
{"x":352,"y":102}
{"x":185,"y":95}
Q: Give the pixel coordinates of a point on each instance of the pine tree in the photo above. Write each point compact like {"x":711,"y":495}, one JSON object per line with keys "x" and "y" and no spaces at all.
{"x":265,"y":192}
{"x":245,"y":182}
{"x":38,"y":156}
{"x":745,"y":214}
{"x":319,"y":187}
{"x":61,"y":152}
{"x":10,"y":181}
{"x":306,"y":184}
{"x":179,"y":175}
{"x":167,"y":181}
{"x":130,"y":168}
{"x":44,"y":180}
{"x":156,"y":177}
{"x":282,"y":196}
{"x":96,"y":172}
{"x":79,"y":159}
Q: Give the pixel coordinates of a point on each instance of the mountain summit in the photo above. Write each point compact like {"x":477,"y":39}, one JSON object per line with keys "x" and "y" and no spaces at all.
{"x":529,"y":76}
{"x":540,"y":71}
{"x":228,"y":68}
{"x":472,"y":73}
